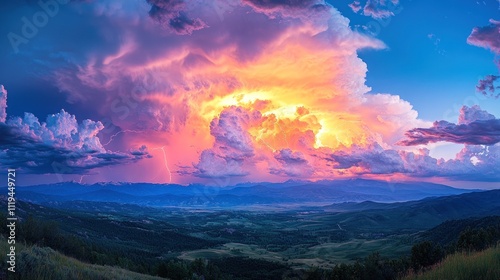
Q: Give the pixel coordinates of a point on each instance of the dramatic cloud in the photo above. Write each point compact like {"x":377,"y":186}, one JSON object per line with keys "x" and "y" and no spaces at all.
{"x":58,"y":145}
{"x":265,"y":113}
{"x":249,"y":90}
{"x":475,"y":127}
{"x":3,"y":104}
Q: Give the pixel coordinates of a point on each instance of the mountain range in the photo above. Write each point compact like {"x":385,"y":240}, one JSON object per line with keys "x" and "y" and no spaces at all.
{"x":300,"y":193}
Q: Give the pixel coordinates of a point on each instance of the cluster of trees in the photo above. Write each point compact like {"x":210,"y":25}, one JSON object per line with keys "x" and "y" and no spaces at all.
{"x":233,"y":268}
{"x":423,"y":255}
{"x":198,"y":269}
{"x":478,"y":239}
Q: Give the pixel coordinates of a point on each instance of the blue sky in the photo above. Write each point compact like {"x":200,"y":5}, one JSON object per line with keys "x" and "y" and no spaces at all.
{"x":436,"y":74}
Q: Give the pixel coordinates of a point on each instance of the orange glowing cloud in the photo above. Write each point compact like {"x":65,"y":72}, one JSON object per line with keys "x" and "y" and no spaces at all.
{"x":302,"y":93}
{"x":283,"y":96}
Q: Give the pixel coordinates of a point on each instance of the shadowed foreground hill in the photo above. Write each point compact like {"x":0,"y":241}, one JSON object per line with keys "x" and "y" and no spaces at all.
{"x":37,"y":263}
{"x":481,"y":265}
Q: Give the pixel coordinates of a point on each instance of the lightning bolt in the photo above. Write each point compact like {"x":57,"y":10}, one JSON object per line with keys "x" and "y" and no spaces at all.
{"x":285,"y":137}
{"x":118,"y":133}
{"x":269,"y":146}
{"x":264,"y":141}
{"x":166,"y":162}
{"x":81,"y":179}
{"x":158,"y":148}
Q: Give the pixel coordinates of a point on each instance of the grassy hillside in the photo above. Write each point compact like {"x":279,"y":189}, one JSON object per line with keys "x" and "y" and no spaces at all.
{"x":481,"y":265}
{"x":36,"y":263}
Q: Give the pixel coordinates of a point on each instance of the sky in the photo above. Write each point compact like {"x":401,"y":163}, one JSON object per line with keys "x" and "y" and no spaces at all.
{"x":221,"y":92}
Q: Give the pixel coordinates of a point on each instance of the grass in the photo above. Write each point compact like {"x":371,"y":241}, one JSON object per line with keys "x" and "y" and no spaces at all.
{"x":40,"y":263}
{"x":481,"y":265}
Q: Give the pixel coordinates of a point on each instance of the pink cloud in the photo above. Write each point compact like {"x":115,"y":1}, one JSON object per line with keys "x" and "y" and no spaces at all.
{"x":355,"y":6}
{"x":487,"y":37}
{"x":471,"y":114}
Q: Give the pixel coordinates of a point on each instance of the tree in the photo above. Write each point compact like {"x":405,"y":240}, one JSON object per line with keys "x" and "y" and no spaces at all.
{"x":425,"y":254}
